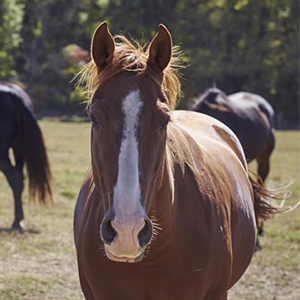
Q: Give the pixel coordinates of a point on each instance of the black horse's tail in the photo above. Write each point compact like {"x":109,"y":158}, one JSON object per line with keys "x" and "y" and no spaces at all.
{"x":34,"y":154}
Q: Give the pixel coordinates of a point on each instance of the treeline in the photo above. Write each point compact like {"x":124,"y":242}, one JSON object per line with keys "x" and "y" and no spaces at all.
{"x":237,"y":44}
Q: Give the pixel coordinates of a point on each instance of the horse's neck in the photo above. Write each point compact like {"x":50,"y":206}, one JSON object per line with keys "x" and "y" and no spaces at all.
{"x":164,"y":196}
{"x":161,"y":213}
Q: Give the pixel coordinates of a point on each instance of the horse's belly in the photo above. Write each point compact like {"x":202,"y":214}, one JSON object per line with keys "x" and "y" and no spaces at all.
{"x":8,"y":125}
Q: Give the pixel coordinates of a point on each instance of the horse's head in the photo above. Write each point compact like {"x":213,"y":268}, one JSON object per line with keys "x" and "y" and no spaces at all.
{"x":130,"y":111}
{"x":212,"y":101}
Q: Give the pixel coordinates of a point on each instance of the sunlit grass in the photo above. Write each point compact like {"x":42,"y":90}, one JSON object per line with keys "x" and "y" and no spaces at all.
{"x":274,"y":271}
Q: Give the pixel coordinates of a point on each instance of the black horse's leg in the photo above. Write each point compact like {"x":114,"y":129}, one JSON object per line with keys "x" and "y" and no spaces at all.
{"x":263,"y":170}
{"x":264,"y":158}
{"x":19,"y":164}
{"x":14,"y":176}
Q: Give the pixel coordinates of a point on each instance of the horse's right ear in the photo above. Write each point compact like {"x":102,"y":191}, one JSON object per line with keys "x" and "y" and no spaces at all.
{"x":103,"y":46}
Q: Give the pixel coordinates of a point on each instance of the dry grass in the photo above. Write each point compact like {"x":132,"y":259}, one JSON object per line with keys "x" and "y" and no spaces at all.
{"x":41,"y":263}
{"x":274,"y":271}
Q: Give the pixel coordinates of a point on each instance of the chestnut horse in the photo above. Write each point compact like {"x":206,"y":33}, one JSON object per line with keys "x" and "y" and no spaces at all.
{"x":20,"y":131}
{"x":167,"y":211}
{"x":249,"y":116}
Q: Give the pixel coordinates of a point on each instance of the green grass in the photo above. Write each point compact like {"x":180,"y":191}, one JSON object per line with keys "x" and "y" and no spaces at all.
{"x":41,"y":262}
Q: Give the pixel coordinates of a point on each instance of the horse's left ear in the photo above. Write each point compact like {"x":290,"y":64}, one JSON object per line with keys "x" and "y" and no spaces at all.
{"x":103,"y":46}
{"x":160,"y":52}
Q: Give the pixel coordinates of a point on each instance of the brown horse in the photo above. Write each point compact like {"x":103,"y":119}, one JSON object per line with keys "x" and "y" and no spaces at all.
{"x":167,"y":210}
{"x":249,"y":116}
{"x":20,"y":131}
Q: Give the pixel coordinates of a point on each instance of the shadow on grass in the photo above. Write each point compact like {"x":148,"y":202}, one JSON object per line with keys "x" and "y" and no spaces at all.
{"x":9,"y":230}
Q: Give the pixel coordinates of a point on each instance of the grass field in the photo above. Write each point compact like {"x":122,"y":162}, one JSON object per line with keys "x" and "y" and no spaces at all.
{"x":41,"y":263}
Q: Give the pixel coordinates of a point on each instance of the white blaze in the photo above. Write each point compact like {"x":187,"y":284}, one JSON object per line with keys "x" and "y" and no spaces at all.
{"x":127,"y":191}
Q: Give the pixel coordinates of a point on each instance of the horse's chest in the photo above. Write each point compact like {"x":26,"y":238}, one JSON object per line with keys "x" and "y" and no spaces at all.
{"x":173,"y":276}
{"x":181,"y":271}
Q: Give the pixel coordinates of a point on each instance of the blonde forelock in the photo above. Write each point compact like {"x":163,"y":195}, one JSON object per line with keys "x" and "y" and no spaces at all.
{"x":131,"y":56}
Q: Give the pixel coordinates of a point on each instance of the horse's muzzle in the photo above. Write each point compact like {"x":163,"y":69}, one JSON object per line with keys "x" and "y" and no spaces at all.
{"x":125,"y":239}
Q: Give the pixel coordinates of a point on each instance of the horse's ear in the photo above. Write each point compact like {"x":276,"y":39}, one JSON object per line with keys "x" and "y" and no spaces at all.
{"x":103,"y":46}
{"x":160,"y":52}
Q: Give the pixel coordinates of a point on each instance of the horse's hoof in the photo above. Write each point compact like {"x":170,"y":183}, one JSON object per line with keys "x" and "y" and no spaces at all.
{"x":257,"y":246}
{"x":261,"y":232}
{"x":17,"y":226}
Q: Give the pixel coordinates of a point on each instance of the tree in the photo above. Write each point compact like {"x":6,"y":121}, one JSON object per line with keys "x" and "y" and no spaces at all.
{"x":239,"y":45}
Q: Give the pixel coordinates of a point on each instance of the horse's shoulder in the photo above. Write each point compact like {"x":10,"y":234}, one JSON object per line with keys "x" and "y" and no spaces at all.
{"x":82,"y":201}
{"x":249,"y":102}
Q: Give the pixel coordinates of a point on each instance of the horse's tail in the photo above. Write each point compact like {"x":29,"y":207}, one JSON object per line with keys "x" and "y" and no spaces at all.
{"x":34,"y":154}
{"x":262,"y":196}
{"x":263,"y":209}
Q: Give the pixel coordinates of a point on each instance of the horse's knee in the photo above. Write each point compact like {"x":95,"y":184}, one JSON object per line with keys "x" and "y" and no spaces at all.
{"x":19,"y":181}
{"x":15,"y":179}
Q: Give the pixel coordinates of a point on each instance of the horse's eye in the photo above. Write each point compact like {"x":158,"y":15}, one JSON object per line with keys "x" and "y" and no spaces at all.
{"x":94,"y":120}
{"x":165,"y":124}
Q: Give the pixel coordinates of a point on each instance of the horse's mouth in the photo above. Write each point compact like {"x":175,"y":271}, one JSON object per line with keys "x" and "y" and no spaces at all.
{"x":125,"y":259}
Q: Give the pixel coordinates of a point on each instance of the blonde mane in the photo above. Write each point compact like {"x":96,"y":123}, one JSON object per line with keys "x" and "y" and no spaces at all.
{"x":131,"y":56}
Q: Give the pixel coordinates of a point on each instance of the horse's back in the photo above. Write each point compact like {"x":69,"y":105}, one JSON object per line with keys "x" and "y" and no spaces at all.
{"x":204,"y":128}
{"x":223,"y":156}
{"x":17,"y":93}
{"x":214,"y":149}
{"x":252,"y":120}
{"x":13,"y":100}
{"x":8,"y":119}
{"x":246,"y":101}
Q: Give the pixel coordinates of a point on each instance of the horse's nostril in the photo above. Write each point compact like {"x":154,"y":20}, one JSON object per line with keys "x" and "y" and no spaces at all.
{"x":145,"y":235}
{"x":108,"y":233}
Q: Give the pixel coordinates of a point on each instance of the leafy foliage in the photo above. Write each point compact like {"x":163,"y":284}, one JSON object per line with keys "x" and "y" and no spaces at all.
{"x":239,"y":45}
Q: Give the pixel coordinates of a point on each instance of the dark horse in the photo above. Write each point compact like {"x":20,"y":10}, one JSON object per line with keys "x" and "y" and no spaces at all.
{"x":167,"y":211}
{"x":20,"y":131}
{"x":249,"y":116}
